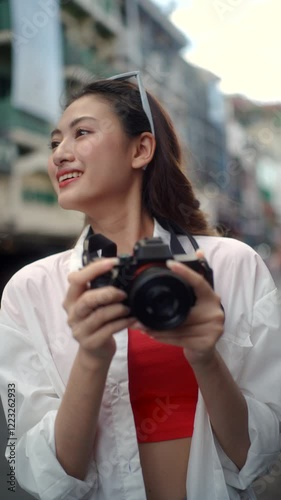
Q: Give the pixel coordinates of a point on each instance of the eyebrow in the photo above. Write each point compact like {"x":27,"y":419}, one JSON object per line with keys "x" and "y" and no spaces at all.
{"x":73,"y":123}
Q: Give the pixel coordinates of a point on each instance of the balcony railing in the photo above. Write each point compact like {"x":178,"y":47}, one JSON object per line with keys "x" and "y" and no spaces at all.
{"x":15,"y":118}
{"x":75,"y":56}
{"x":85,"y":59}
{"x":107,"y":12}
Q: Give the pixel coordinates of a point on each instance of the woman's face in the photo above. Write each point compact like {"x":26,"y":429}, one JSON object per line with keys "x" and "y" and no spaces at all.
{"x":91,"y":156}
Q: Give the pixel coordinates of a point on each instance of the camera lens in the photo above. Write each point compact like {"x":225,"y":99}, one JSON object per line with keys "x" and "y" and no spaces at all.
{"x":160,"y":299}
{"x":161,"y":302}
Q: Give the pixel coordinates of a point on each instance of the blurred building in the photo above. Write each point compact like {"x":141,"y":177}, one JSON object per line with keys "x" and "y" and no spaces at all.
{"x":252,"y":207}
{"x":93,"y":38}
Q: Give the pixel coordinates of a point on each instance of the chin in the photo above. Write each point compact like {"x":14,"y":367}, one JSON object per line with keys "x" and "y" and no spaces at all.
{"x":71,"y":203}
{"x":67,"y":204}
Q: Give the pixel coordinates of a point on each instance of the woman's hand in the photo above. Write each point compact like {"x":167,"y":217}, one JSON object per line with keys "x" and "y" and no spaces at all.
{"x":94,"y":315}
{"x":203,"y":327}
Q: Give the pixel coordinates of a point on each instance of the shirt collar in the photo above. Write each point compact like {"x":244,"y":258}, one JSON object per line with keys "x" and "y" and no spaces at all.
{"x":76,"y":256}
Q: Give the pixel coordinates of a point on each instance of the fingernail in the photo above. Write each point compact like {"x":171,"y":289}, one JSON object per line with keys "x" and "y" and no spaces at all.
{"x":200,"y":253}
{"x":131,"y":322}
{"x":113,"y":260}
{"x":171,"y":263}
{"x":126,"y":310}
{"x":139,"y":326}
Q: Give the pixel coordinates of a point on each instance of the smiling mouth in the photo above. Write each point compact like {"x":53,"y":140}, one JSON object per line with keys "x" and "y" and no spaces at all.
{"x":73,"y":175}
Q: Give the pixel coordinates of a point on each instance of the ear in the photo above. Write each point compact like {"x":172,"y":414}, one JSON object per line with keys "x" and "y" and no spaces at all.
{"x":144,"y":150}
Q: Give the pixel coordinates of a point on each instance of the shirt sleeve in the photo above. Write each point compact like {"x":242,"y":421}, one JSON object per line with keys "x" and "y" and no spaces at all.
{"x":260,"y":382}
{"x":36,"y":404}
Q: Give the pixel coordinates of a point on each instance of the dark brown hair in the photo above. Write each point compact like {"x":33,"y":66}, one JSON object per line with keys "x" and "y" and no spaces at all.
{"x":166,"y":191}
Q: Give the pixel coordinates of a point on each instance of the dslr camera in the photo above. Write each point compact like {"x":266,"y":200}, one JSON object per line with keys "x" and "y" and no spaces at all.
{"x":157,"y":297}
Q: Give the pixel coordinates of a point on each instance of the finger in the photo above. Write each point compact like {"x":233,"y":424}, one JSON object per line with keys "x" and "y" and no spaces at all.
{"x":200,"y":254}
{"x":200,"y":285}
{"x":79,"y":279}
{"x":103,"y":334}
{"x":168,"y":338}
{"x":196,"y":337}
{"x":98,"y":318}
{"x":92,"y":299}
{"x":199,"y":318}
{"x":202,"y":313}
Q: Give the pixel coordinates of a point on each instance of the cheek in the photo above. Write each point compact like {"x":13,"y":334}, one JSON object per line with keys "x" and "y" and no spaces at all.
{"x":51,"y":171}
{"x":84,"y":149}
{"x":95,"y":148}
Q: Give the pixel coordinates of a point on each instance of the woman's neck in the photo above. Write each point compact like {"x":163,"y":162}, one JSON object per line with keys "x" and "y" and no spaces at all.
{"x":125,"y":230}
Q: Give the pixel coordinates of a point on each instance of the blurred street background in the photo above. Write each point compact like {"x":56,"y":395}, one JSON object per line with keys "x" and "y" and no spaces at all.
{"x":215,"y":65}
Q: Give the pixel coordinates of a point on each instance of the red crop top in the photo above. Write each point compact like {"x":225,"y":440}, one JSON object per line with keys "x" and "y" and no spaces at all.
{"x":163,"y":389}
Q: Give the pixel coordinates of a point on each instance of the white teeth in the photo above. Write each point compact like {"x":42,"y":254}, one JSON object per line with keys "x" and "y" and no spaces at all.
{"x":69,"y":176}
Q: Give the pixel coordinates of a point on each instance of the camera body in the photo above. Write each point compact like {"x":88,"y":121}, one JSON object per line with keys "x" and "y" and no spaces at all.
{"x":159,"y":298}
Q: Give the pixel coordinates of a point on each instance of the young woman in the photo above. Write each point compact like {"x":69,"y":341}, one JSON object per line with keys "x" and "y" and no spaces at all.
{"x":107,"y":408}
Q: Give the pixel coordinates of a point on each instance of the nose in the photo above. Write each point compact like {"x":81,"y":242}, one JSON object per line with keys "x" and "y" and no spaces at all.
{"x":63,"y":153}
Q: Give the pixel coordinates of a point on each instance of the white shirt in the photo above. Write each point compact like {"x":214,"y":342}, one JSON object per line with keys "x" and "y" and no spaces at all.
{"x":38,"y":350}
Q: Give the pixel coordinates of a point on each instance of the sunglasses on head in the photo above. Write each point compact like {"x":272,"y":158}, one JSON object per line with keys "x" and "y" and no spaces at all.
{"x":142,"y":91}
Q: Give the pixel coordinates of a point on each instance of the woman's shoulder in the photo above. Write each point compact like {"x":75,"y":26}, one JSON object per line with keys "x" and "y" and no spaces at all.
{"x":226,"y":245}
{"x":235,"y":264}
{"x":230,"y":248}
{"x":34,"y":290}
{"x":238,"y":265}
{"x":37,"y":272}
{"x":232,"y":254}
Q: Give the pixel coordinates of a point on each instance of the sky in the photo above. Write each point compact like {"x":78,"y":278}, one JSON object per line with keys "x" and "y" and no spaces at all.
{"x":238,"y":40}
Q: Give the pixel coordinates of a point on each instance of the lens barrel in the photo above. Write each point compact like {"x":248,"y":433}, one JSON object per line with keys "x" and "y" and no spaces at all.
{"x":160,"y":299}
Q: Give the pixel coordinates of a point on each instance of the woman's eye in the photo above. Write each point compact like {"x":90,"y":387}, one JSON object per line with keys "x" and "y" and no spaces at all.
{"x":81,"y":131}
{"x":53,"y":145}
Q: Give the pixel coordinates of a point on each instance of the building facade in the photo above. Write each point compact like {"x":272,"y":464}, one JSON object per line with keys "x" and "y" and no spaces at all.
{"x":252,"y":203}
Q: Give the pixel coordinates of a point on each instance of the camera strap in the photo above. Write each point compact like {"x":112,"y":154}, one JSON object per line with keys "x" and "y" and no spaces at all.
{"x":94,"y":242}
{"x":173,"y":228}
{"x":176,"y":247}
